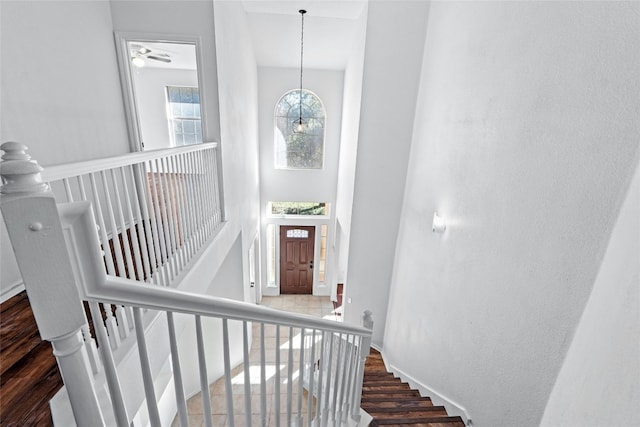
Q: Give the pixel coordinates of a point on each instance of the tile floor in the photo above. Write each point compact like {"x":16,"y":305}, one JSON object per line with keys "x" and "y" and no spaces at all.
{"x":305,"y":304}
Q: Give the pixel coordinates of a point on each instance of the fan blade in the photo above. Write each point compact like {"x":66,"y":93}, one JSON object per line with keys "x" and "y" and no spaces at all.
{"x":159,"y":58}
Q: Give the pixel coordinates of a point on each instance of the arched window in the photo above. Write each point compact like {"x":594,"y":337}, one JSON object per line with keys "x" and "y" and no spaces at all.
{"x":295,"y":149}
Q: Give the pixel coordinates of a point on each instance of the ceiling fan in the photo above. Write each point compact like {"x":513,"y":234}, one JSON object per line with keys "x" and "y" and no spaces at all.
{"x":141,"y":53}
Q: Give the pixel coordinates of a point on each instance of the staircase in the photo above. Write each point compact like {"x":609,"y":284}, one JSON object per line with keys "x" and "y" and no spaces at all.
{"x":125,"y":236}
{"x":30,"y":378}
{"x":392,"y":402}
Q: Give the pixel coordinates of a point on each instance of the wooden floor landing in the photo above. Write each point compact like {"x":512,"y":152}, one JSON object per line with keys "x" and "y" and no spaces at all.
{"x":29,"y":375}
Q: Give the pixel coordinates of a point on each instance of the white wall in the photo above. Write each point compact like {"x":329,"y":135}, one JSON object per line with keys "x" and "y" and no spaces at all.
{"x":151,"y":99}
{"x":180,"y":17}
{"x":299,"y":185}
{"x":351,"y":97}
{"x":80,"y":81}
{"x":599,"y":383}
{"x":392,"y":59}
{"x":60,"y":85}
{"x":60,"y":90}
{"x":228,"y":281}
{"x":525,"y":140}
{"x":238,"y":77}
{"x":313,"y":185}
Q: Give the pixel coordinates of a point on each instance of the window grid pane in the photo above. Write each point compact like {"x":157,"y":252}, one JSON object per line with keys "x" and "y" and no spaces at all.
{"x":184,"y":115}
{"x":322,"y":264}
{"x":299,"y":150}
{"x":271,"y":254}
{"x":297,"y":234}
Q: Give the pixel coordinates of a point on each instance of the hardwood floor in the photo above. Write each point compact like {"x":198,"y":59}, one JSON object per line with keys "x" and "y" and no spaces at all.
{"x":29,"y":375}
{"x":392,"y":402}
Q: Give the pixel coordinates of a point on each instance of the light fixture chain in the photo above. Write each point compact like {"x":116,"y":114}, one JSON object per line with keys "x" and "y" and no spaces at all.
{"x":302,"y":12}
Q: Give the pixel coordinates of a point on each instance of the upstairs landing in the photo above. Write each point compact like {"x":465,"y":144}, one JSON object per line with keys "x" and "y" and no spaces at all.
{"x":29,"y":375}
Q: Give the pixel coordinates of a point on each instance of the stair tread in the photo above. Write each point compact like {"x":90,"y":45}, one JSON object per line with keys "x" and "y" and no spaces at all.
{"x":419,"y":421}
{"x":382,"y":397}
{"x":432,"y":424}
{"x":388,"y":398}
{"x":381,"y":390}
{"x":382,"y":381}
{"x":412,"y":415}
{"x":400,"y":406}
{"x":399,"y":410}
{"x":393,"y":403}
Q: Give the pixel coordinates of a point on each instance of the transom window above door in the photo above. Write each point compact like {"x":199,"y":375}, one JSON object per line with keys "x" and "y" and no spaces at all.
{"x":295,"y":146}
{"x":297,"y":209}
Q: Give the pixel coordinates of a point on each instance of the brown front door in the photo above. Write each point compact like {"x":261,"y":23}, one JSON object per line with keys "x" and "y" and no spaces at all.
{"x":296,"y":259}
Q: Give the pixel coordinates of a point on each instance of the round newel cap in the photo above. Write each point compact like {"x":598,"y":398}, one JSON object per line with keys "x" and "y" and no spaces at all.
{"x":19,"y":173}
{"x":14,"y":151}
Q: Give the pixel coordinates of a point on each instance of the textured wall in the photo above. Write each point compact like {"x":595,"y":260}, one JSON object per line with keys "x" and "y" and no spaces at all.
{"x":392,"y":59}
{"x":599,"y":383}
{"x":525,"y":139}
{"x":60,"y":90}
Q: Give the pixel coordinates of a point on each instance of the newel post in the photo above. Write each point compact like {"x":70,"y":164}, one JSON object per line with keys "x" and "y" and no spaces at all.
{"x":363,"y":352}
{"x":31,"y":216}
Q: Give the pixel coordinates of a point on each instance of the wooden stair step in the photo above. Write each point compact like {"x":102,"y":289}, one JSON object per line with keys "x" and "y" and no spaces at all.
{"x":385,"y":397}
{"x":393,"y":403}
{"x":400,"y":406}
{"x":382,"y":383}
{"x":440,"y":412}
{"x":380,"y":369}
{"x":379,"y":374}
{"x":379,"y":377}
{"x":385,"y":388}
{"x":438,"y":424}
{"x":401,"y":410}
{"x":420,"y":421}
{"x":395,"y":399}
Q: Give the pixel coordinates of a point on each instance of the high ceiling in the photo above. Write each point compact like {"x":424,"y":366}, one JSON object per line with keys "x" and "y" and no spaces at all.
{"x":329,"y":32}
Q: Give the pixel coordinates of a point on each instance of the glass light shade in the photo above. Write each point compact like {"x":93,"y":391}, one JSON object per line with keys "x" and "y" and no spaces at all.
{"x":299,"y":126}
{"x":137,"y":61}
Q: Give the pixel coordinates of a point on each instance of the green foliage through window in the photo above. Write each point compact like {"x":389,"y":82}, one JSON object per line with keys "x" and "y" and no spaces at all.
{"x":299,"y":208}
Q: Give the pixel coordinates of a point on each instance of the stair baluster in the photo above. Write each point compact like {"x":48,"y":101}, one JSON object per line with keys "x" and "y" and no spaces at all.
{"x":31,"y":215}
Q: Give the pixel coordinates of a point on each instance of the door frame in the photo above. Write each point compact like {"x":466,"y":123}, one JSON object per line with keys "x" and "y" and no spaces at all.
{"x":122,"y":38}
{"x":320,"y":288}
{"x":254,"y":269}
{"x":282,"y":261}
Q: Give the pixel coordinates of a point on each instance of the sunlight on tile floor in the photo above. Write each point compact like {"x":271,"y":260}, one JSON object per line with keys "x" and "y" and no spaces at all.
{"x":305,"y":304}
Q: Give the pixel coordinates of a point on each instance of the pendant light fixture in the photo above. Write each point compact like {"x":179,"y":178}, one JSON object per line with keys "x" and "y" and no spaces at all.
{"x":299,"y":125}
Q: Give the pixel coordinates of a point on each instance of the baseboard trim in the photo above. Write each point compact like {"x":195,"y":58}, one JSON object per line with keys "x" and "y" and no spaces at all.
{"x":453,"y":408}
{"x":11,"y":291}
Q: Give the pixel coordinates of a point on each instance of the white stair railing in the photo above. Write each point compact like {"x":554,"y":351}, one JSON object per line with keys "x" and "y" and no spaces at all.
{"x":328,"y":363}
{"x":155,"y":210}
